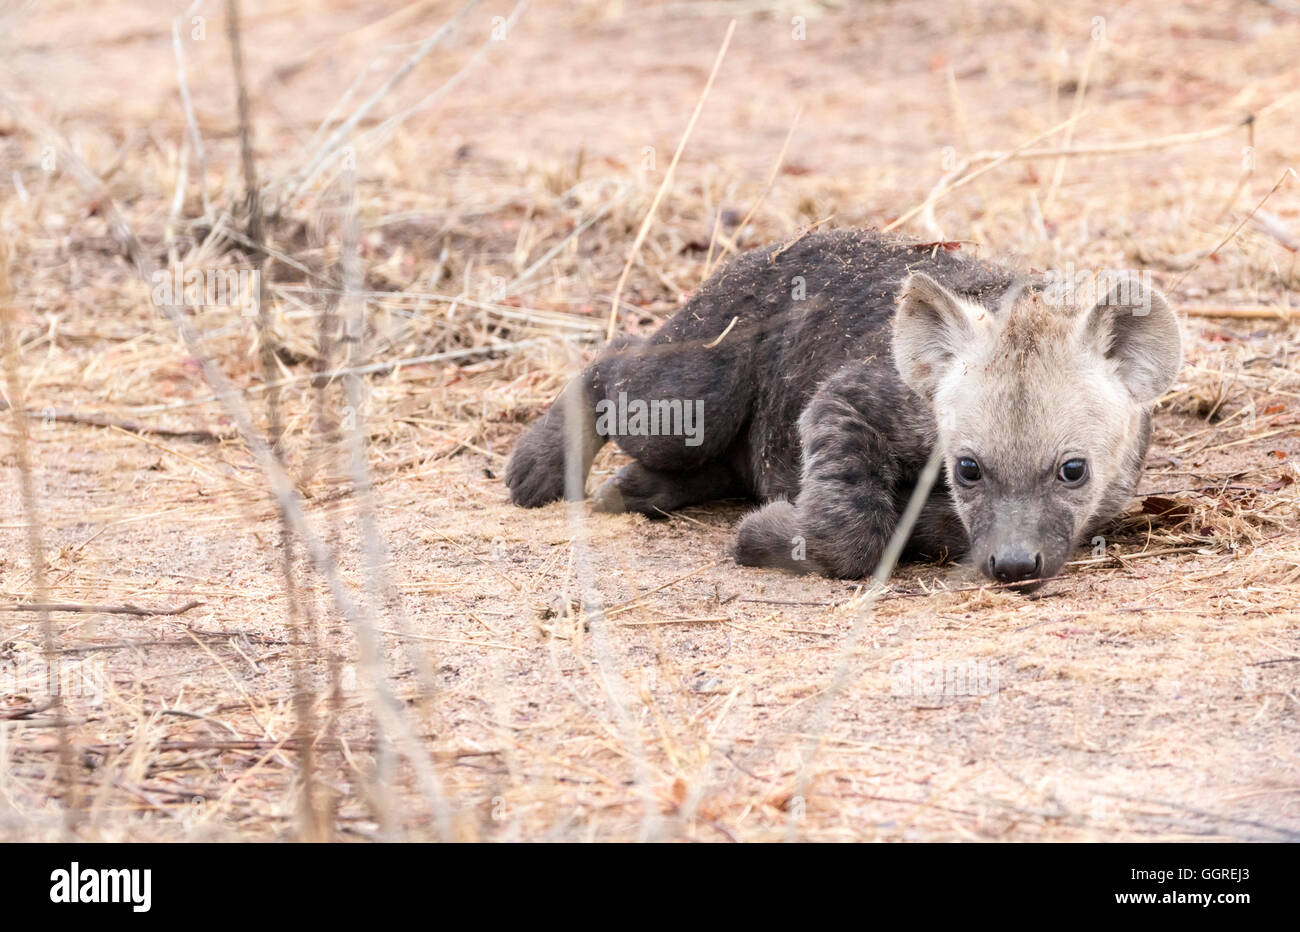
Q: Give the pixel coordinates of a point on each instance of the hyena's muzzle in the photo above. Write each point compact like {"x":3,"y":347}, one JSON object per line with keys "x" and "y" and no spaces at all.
{"x":1021,"y":543}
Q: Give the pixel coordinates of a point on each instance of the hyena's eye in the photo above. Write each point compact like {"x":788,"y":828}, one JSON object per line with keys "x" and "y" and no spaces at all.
{"x":968,"y":471}
{"x":1073,"y":472}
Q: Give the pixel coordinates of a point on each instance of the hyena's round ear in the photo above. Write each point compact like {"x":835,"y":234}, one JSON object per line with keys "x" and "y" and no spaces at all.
{"x":930,"y":327}
{"x":1134,"y":326}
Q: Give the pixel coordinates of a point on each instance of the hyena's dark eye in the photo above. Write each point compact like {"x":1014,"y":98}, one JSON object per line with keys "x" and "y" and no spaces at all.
{"x":968,"y":471}
{"x":1073,"y":472}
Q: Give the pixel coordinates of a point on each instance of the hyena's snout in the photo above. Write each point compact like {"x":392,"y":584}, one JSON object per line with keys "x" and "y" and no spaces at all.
{"x":1023,"y":546}
{"x":1015,"y":564}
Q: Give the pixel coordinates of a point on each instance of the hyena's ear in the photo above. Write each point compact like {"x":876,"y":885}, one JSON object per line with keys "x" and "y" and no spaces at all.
{"x":1134,"y":326}
{"x":930,"y":328}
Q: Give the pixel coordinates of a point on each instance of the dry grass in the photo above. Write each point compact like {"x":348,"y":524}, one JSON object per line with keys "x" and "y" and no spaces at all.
{"x":1149,"y":693}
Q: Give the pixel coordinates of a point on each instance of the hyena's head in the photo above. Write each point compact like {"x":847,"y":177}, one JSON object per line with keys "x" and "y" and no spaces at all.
{"x":1042,"y":409}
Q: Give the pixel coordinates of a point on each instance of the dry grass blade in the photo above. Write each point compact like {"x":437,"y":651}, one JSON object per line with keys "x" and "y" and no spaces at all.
{"x":665,"y":184}
{"x":710,"y":265}
{"x":500,"y":32}
{"x":191,"y":121}
{"x":388,"y":710}
{"x":64,"y":776}
{"x":594,"y":614}
{"x":311,"y":825}
{"x":98,"y":608}
{"x":1231,"y":235}
{"x":956,"y":179}
{"x":844,"y":666}
{"x":314,"y":161}
{"x":379,"y":589}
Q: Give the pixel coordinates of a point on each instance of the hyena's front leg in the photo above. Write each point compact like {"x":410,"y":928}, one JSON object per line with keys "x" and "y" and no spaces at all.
{"x":771,"y":537}
{"x":845,"y":513}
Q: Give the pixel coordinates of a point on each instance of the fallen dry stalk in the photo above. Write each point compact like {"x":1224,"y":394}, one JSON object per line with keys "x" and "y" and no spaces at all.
{"x":97,"y":419}
{"x":125,"y":608}
{"x":1241,"y":312}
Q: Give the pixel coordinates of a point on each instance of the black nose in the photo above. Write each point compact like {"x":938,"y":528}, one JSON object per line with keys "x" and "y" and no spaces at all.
{"x":1015,"y":566}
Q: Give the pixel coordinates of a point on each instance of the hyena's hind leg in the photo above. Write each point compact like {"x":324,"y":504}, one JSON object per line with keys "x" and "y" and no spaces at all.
{"x":655,"y":493}
{"x":682,"y":368}
{"x":702,"y":389}
{"x":539,"y":471}
{"x":695,"y":452}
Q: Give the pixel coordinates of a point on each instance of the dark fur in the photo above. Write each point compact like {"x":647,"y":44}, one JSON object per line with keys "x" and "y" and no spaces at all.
{"x":803,"y":407}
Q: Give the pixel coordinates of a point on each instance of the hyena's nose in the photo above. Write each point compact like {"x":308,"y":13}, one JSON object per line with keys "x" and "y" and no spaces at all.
{"x":1015,"y":566}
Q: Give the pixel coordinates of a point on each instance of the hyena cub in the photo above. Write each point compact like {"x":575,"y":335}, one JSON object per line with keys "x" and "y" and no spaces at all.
{"x":825,"y":371}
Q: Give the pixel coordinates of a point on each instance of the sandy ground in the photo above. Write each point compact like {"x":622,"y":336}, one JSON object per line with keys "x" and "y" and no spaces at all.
{"x":1149,"y":694}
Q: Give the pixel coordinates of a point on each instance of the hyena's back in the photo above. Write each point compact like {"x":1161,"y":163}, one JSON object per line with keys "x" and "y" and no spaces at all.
{"x":801,"y":312}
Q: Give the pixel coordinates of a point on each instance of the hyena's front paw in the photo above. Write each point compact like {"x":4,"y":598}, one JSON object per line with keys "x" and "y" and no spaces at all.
{"x":535,"y":472}
{"x":770,"y":537}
